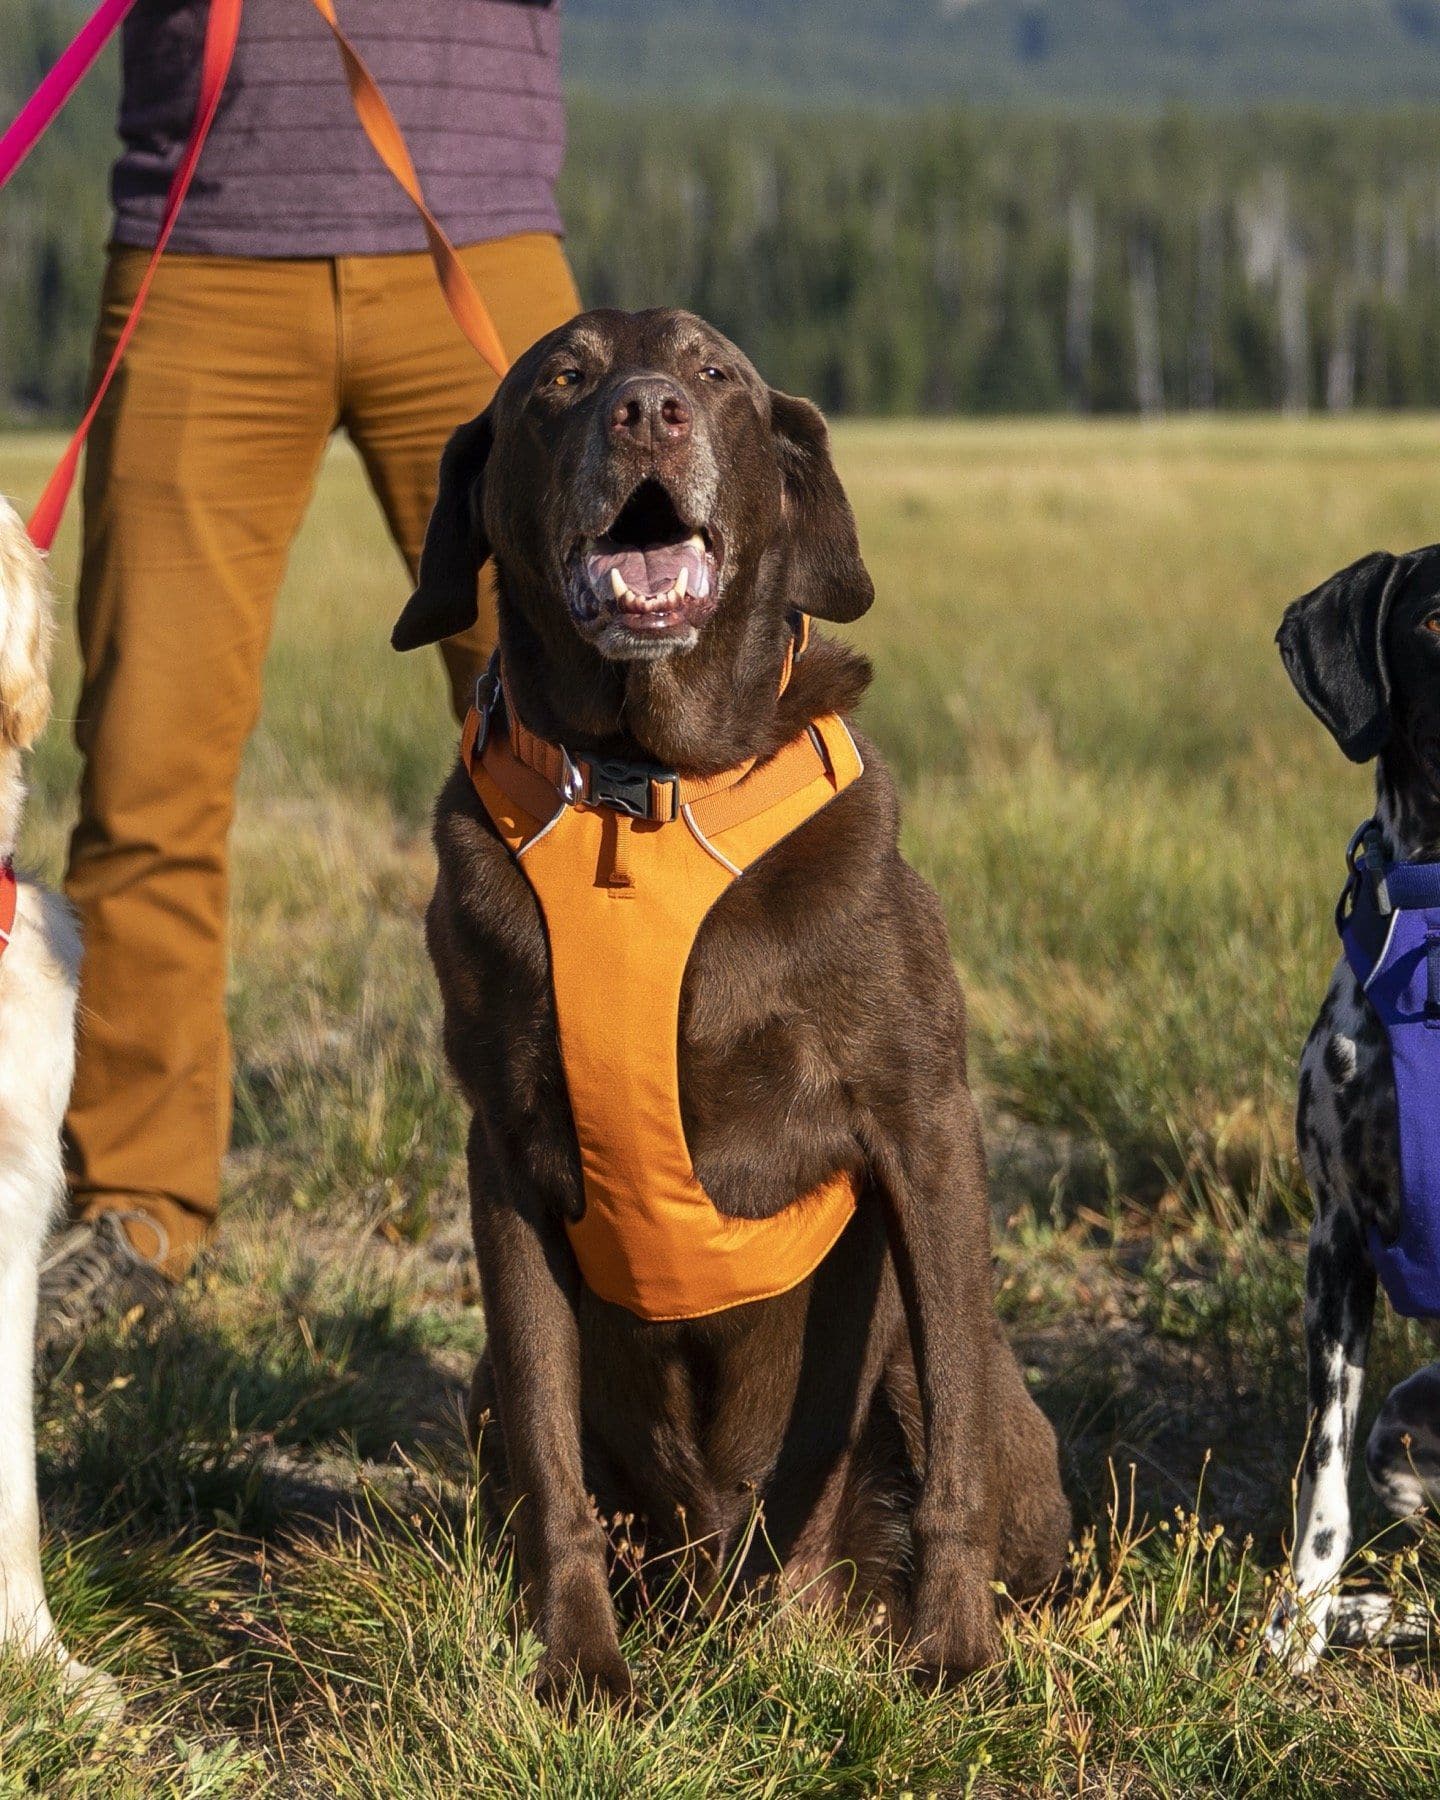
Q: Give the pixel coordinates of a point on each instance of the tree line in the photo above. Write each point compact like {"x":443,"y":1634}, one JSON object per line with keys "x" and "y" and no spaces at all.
{"x":947,"y":261}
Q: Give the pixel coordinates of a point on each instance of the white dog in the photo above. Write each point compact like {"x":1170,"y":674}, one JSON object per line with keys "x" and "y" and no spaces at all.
{"x":38,"y":972}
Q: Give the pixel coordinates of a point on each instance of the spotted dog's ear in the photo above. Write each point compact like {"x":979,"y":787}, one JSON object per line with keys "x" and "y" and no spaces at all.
{"x":827,"y":577}
{"x":446,"y":598}
{"x":1332,"y":642}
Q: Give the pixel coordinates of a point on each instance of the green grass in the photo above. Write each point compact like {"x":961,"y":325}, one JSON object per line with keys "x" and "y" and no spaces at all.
{"x":260,"y":1509}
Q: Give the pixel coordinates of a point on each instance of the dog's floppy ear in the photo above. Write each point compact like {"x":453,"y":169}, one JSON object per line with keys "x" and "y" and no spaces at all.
{"x":1332,"y":642}
{"x":456,"y":549}
{"x":829,"y":579}
{"x":27,"y":631}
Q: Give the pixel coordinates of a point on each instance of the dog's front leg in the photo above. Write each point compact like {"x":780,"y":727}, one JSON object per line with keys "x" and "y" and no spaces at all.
{"x":27,"y":1193}
{"x":931,"y":1170}
{"x":1339,"y":1305}
{"x":530,"y":1288}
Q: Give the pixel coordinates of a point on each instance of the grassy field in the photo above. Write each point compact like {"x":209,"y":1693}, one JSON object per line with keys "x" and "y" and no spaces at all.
{"x":259,"y":1507}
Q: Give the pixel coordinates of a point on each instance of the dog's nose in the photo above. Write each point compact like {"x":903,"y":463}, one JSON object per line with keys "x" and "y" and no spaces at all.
{"x":650,"y":410}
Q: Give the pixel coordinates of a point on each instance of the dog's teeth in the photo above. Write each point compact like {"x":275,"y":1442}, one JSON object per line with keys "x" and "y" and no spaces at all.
{"x":617,"y":583}
{"x":696,"y":542}
{"x":682,"y":584}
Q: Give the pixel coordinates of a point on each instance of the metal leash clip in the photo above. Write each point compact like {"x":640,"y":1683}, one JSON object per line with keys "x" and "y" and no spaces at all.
{"x":487,"y":693}
{"x":1365,"y":861}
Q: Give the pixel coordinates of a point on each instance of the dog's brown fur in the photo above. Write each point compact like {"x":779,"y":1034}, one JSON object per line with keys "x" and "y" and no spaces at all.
{"x":876,"y":1414}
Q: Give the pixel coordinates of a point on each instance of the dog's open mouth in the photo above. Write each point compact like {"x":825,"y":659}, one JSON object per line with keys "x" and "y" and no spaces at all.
{"x":648,"y":576}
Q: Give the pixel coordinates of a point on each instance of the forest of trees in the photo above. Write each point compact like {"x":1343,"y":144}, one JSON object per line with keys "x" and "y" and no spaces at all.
{"x":957,"y":260}
{"x":987,"y":262}
{"x":1088,"y":53}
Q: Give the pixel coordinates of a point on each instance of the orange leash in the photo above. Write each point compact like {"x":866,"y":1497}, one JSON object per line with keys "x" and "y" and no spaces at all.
{"x":378,"y":122}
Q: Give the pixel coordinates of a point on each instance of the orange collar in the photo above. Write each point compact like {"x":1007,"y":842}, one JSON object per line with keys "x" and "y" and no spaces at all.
{"x":640,"y":790}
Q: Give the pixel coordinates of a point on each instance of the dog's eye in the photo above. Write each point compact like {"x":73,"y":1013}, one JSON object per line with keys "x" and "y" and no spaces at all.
{"x":711,"y":373}
{"x":567,"y":378}
{"x":1433,"y":622}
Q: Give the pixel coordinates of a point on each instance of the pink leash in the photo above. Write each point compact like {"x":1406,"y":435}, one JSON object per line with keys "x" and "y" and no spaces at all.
{"x":221,"y":31}
{"x":39,"y":111}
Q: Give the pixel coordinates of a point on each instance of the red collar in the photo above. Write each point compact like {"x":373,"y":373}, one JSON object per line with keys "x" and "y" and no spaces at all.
{"x":9,"y":898}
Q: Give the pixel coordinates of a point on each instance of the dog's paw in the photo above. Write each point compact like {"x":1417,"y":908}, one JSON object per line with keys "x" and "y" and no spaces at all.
{"x":594,"y":1672}
{"x":1296,"y":1634}
{"x":953,"y":1639}
{"x":94,"y":1695}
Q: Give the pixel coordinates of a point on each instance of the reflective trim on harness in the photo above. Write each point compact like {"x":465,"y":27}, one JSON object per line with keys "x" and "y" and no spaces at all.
{"x":221,"y":32}
{"x":623,"y":899}
{"x":1389,"y":920}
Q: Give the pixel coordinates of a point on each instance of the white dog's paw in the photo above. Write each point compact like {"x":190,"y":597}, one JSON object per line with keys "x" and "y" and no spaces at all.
{"x":1379,"y":1621}
{"x":1297,"y":1632}
{"x":92,"y":1692}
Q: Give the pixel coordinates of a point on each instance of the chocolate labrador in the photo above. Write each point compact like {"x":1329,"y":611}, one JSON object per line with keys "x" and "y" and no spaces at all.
{"x":658,"y":519}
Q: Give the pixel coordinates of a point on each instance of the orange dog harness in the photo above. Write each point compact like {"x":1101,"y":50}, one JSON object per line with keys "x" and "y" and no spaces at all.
{"x":626,"y":860}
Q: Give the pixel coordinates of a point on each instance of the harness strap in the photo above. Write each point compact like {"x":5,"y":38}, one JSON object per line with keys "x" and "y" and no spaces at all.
{"x":1412,"y":885}
{"x":221,"y":32}
{"x":9,"y":902}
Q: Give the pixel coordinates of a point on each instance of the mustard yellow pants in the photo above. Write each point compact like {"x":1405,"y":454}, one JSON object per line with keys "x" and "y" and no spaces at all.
{"x":199,"y":471}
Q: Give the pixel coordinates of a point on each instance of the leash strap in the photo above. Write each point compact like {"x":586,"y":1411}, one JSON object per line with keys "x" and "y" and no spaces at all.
{"x":44,"y":106}
{"x":221,"y":32}
{"x":378,"y":123}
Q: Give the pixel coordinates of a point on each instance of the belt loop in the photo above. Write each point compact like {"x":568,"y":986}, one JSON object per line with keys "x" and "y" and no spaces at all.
{"x":1432,"y":974}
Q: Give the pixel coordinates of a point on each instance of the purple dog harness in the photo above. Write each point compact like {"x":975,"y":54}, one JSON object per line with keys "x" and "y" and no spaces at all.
{"x":1389,"y":924}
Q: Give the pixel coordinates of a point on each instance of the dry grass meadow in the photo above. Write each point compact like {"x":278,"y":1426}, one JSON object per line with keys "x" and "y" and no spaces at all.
{"x":258,"y":1507}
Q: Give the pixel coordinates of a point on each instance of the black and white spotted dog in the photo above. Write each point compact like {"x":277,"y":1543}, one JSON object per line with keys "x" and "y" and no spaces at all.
{"x":1363,"y":650}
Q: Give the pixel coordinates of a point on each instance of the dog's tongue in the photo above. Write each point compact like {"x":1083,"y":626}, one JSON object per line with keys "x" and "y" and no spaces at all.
{"x":648,"y":573}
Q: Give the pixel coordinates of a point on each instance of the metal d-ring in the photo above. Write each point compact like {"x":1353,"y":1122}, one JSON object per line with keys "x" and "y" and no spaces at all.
{"x":487,"y":693}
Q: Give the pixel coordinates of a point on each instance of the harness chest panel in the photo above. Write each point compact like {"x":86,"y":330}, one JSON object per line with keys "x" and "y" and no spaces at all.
{"x":1395,"y":957}
{"x":623,"y":900}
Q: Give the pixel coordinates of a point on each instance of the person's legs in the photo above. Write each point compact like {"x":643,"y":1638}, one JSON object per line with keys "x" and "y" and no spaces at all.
{"x":199,"y":471}
{"x":410,"y":378}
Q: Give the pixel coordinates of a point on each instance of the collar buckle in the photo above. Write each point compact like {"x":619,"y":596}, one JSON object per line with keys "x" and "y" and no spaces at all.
{"x":632,"y":788}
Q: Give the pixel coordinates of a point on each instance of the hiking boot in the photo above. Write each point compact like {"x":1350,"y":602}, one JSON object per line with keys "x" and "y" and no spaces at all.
{"x":93,"y":1273}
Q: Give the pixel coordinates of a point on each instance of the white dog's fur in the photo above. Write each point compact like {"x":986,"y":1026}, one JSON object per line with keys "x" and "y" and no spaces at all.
{"x":38,"y":975}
